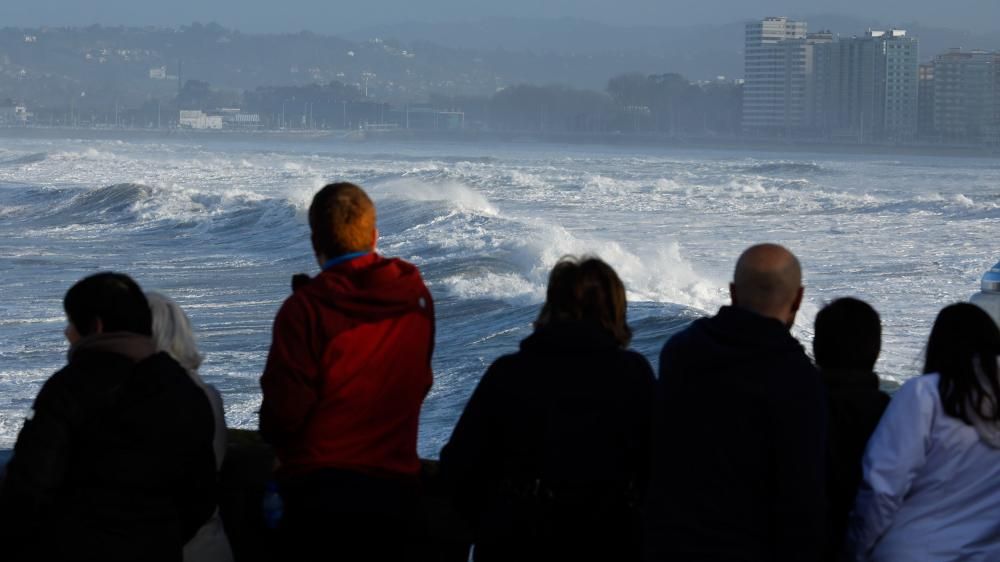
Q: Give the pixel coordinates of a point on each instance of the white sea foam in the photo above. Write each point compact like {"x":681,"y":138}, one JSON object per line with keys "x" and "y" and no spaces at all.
{"x":453,"y":193}
{"x":223,"y":228}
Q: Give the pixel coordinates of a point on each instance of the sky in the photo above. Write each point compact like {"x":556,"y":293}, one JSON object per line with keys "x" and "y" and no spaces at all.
{"x":339,"y":16}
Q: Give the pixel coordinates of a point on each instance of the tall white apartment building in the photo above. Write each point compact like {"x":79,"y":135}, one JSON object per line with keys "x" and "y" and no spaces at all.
{"x":775,"y":73}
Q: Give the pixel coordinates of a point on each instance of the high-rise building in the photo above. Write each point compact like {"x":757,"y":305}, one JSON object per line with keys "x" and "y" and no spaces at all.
{"x":775,"y":71}
{"x":820,"y":98}
{"x":925,"y":100}
{"x":870,"y":86}
{"x":897,"y":85}
{"x":966,"y":104}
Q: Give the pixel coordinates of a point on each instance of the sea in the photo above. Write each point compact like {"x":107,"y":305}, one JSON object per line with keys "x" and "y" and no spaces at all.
{"x":219,"y":224}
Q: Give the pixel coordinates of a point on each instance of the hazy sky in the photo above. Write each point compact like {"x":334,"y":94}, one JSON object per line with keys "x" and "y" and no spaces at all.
{"x":333,"y":16}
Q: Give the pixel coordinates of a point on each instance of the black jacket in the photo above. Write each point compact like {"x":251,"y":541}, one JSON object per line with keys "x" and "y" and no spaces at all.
{"x":856,"y":406}
{"x":739,"y":445}
{"x":115,"y":460}
{"x":550,"y":456}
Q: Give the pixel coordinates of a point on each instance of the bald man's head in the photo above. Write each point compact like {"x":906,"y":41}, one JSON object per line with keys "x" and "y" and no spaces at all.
{"x":768,"y":281}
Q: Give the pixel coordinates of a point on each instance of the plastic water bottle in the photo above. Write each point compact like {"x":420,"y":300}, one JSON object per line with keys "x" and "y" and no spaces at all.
{"x":271,"y":506}
{"x":989,"y":297}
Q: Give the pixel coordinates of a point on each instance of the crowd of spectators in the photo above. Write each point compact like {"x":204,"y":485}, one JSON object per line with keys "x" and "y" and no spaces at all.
{"x":741,"y":447}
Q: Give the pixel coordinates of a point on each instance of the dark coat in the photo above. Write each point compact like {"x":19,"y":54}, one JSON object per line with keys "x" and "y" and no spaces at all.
{"x":856,"y":406}
{"x":550,"y":455}
{"x":739,"y":446}
{"x":115,"y":460}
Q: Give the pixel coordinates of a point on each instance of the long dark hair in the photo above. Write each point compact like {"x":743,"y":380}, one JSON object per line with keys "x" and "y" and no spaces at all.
{"x":964,"y":337}
{"x":586,"y":289}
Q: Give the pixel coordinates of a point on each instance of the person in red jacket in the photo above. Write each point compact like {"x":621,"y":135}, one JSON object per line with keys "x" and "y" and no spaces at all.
{"x":348,"y":370}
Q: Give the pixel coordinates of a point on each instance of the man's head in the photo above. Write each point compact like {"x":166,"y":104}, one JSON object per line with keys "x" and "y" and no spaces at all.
{"x":848,"y":335}
{"x":342,"y":220}
{"x":768,"y":281}
{"x":106,"y":302}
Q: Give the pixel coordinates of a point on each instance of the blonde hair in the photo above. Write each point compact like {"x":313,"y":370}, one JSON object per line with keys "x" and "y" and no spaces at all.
{"x":172,"y":331}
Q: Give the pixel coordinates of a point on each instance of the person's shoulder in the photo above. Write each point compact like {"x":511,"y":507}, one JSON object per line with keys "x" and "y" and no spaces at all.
{"x":167,"y":373}
{"x":919,"y":386}
{"x":68,"y":382}
{"x":298,"y":303}
{"x":636,"y":363}
{"x":687,"y":337}
{"x":505,"y":365}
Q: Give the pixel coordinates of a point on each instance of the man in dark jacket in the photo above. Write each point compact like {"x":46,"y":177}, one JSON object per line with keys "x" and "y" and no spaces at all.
{"x":115,"y":459}
{"x":846,"y":344}
{"x":348,"y":370}
{"x":740,"y":429}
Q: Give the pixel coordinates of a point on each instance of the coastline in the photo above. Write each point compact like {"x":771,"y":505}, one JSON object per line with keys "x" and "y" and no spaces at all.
{"x":645,"y":140}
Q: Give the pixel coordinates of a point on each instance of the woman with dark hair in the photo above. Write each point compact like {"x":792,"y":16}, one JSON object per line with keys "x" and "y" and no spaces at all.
{"x":931,"y":488}
{"x":549,"y":458}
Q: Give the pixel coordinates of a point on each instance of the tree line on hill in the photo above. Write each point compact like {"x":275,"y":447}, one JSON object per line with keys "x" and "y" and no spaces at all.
{"x":631,"y":103}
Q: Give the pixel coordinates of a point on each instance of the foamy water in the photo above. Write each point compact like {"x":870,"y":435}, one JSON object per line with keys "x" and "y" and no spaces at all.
{"x":220,"y":226}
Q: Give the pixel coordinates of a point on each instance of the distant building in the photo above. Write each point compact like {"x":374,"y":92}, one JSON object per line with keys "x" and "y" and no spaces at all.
{"x":158,"y":73}
{"x":869,"y":87}
{"x":233,"y":118}
{"x":422,"y":117}
{"x":966,"y":99}
{"x":196,"y":119}
{"x":925,"y":100}
{"x":775,"y":71}
{"x":821,"y":99}
{"x":17,"y":114}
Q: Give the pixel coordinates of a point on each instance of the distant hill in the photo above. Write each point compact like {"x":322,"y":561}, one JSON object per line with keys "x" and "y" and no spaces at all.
{"x":73,"y":67}
{"x":697,"y":51}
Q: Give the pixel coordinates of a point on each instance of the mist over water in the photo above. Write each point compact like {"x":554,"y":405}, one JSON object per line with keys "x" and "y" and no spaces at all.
{"x":220,"y":226}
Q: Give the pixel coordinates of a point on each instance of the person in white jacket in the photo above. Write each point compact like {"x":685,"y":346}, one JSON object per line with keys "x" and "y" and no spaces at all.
{"x":931,"y":488}
{"x":172,"y":333}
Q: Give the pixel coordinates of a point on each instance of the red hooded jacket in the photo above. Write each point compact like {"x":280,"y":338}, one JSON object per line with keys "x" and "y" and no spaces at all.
{"x":349,"y":367}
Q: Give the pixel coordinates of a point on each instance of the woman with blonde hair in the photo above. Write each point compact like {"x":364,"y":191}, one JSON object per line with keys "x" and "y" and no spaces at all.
{"x":549,"y":459}
{"x":172,"y":333}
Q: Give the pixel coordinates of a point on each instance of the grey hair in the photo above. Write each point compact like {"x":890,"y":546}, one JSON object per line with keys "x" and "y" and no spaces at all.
{"x":172,"y":331}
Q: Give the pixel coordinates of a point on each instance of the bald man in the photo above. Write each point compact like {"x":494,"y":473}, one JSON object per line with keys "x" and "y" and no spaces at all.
{"x":740,"y":440}
{"x":348,"y":370}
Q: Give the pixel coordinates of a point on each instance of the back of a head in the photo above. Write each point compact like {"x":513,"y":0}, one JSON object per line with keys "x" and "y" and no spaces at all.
{"x":848,"y":335}
{"x":964,"y":337}
{"x":114,"y":299}
{"x":586,"y":289}
{"x":342,"y":220}
{"x":172,"y":331}
{"x":767,"y":279}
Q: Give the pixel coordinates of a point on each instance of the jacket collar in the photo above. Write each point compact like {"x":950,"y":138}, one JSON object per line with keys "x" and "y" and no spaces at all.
{"x":749,"y":328}
{"x":569,"y":336}
{"x":133,"y":346}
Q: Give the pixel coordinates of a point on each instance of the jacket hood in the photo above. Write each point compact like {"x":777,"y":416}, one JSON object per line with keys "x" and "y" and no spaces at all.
{"x":989,"y":430}
{"x":371,"y":287}
{"x":134,"y":346}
